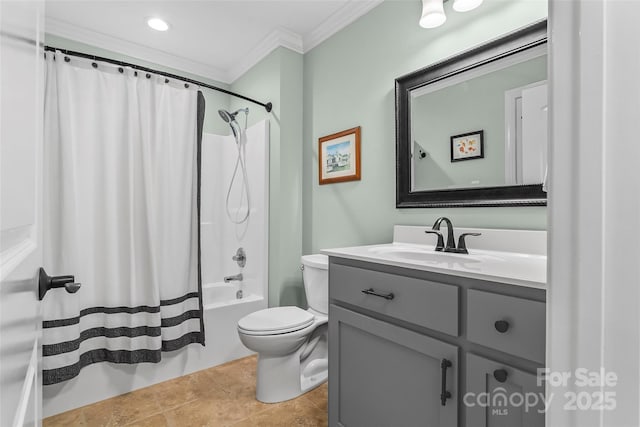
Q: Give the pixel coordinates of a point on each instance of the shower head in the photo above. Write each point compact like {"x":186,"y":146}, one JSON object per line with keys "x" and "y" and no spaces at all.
{"x":231,"y":117}
{"x":226,"y":116}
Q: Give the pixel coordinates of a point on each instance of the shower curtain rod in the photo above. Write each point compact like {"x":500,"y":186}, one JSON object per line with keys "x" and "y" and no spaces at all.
{"x":268,"y":106}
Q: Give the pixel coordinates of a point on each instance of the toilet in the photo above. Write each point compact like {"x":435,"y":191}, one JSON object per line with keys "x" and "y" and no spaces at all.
{"x":291,"y":342}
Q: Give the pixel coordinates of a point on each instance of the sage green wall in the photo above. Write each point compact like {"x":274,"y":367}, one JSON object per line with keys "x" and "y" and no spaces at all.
{"x":278,"y":79}
{"x":476,"y":104}
{"x":214,"y":99}
{"x":349,"y":81}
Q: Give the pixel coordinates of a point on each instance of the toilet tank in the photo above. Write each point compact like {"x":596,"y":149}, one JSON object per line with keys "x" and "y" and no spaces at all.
{"x":315,"y":274}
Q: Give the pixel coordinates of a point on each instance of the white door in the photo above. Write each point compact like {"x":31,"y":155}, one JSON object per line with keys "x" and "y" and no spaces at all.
{"x":21,"y":116}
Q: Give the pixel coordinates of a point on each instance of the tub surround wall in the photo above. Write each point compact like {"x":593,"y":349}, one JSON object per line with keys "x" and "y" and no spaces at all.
{"x":220,"y":238}
{"x":278,"y":78}
{"x":349,"y":81}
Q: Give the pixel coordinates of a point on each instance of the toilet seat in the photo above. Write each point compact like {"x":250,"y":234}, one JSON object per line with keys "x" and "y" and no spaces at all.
{"x":275,"y":321}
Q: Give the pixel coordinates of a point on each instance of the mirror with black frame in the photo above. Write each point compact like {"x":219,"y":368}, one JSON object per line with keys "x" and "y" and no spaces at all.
{"x":472,"y":130}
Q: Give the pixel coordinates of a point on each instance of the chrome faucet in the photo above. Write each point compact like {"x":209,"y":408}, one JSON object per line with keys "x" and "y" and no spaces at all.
{"x":451,"y":244}
{"x":237,"y":277}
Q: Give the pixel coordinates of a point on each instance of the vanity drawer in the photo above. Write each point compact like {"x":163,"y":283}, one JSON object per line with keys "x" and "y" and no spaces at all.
{"x":421,"y":302}
{"x":509,"y":324}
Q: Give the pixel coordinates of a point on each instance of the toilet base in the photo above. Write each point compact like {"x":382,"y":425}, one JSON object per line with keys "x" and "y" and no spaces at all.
{"x":279,"y":377}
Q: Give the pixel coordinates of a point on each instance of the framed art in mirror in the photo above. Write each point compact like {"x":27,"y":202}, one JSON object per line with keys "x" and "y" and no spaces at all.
{"x":467,"y":146}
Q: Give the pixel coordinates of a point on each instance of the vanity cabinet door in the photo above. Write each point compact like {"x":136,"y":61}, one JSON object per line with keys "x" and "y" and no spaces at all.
{"x":499,"y":395}
{"x":384,"y":375}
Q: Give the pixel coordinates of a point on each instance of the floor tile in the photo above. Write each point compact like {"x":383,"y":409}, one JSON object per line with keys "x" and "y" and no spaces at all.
{"x":242,"y":370}
{"x":319,"y":396}
{"x":218,"y":397}
{"x":134,"y":406}
{"x":296,"y":412}
{"x":100,"y":414}
{"x":158,"y":420}
{"x":219,"y":408}
{"x":171,"y":394}
{"x":69,"y":418}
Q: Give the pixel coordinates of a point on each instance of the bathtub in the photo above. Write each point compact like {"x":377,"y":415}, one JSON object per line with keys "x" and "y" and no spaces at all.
{"x":221,"y":294}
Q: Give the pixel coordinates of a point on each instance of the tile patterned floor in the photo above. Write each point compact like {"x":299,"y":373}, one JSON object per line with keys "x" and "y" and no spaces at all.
{"x":221,"y":396}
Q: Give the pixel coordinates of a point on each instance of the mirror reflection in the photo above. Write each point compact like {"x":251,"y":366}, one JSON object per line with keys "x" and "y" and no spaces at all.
{"x":486,"y":127}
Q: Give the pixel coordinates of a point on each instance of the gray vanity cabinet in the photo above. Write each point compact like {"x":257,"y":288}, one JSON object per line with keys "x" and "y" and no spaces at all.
{"x":383,"y":375}
{"x":391,"y":328}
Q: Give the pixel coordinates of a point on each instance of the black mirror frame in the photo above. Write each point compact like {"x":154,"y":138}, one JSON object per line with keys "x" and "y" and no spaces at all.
{"x":517,"y":195}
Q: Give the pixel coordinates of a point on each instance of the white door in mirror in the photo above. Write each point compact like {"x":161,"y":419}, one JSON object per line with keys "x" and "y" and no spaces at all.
{"x":534,"y":134}
{"x":526,"y":134}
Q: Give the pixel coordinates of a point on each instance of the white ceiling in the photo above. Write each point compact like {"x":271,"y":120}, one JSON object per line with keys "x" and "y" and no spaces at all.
{"x":218,"y":39}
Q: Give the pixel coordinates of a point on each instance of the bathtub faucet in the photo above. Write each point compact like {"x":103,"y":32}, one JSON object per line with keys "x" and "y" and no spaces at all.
{"x":228,"y":279}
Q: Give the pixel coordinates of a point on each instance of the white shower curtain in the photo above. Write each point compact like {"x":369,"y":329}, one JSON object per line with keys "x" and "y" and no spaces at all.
{"x":121,"y":214}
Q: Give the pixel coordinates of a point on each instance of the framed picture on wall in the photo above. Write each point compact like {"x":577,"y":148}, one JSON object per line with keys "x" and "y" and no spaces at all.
{"x":467,"y":146}
{"x":339,"y":156}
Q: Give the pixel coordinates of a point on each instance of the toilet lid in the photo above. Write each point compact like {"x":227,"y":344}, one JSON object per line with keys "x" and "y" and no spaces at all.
{"x":276,"y":320}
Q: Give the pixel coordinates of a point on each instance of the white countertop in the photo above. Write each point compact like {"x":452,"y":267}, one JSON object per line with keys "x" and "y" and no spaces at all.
{"x":501,"y":263}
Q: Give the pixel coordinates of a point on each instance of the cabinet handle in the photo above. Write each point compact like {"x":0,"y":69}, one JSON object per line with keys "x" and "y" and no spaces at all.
{"x":371,"y":291}
{"x":444,"y":395}
{"x":501,"y":326}
{"x":500,"y":375}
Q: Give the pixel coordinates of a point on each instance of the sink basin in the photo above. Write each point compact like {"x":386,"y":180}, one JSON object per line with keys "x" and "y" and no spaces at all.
{"x":422,"y":255}
{"x":507,"y":256}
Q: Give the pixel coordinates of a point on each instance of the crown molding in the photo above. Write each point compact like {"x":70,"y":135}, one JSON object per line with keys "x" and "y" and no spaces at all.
{"x":278,"y":38}
{"x":104,"y":41}
{"x":344,"y":16}
{"x":281,"y":37}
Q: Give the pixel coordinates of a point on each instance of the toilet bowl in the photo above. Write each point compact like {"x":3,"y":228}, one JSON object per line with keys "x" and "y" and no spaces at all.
{"x":291,"y":342}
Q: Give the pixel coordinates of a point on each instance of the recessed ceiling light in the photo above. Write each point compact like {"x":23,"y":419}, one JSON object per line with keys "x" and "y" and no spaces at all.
{"x":158,"y":24}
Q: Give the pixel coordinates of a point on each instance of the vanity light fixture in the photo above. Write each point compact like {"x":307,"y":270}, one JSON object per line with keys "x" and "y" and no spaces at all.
{"x":433,"y":11}
{"x":432,"y":14}
{"x":158,"y":24}
{"x":465,"y":5}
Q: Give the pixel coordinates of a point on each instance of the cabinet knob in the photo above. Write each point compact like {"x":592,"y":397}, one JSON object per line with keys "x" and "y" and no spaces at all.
{"x":501,"y":326}
{"x":500,"y":375}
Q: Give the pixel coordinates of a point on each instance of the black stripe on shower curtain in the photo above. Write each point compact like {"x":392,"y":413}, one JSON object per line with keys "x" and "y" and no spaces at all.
{"x":53,"y":376}
{"x":64,"y":373}
{"x":200,"y":124}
